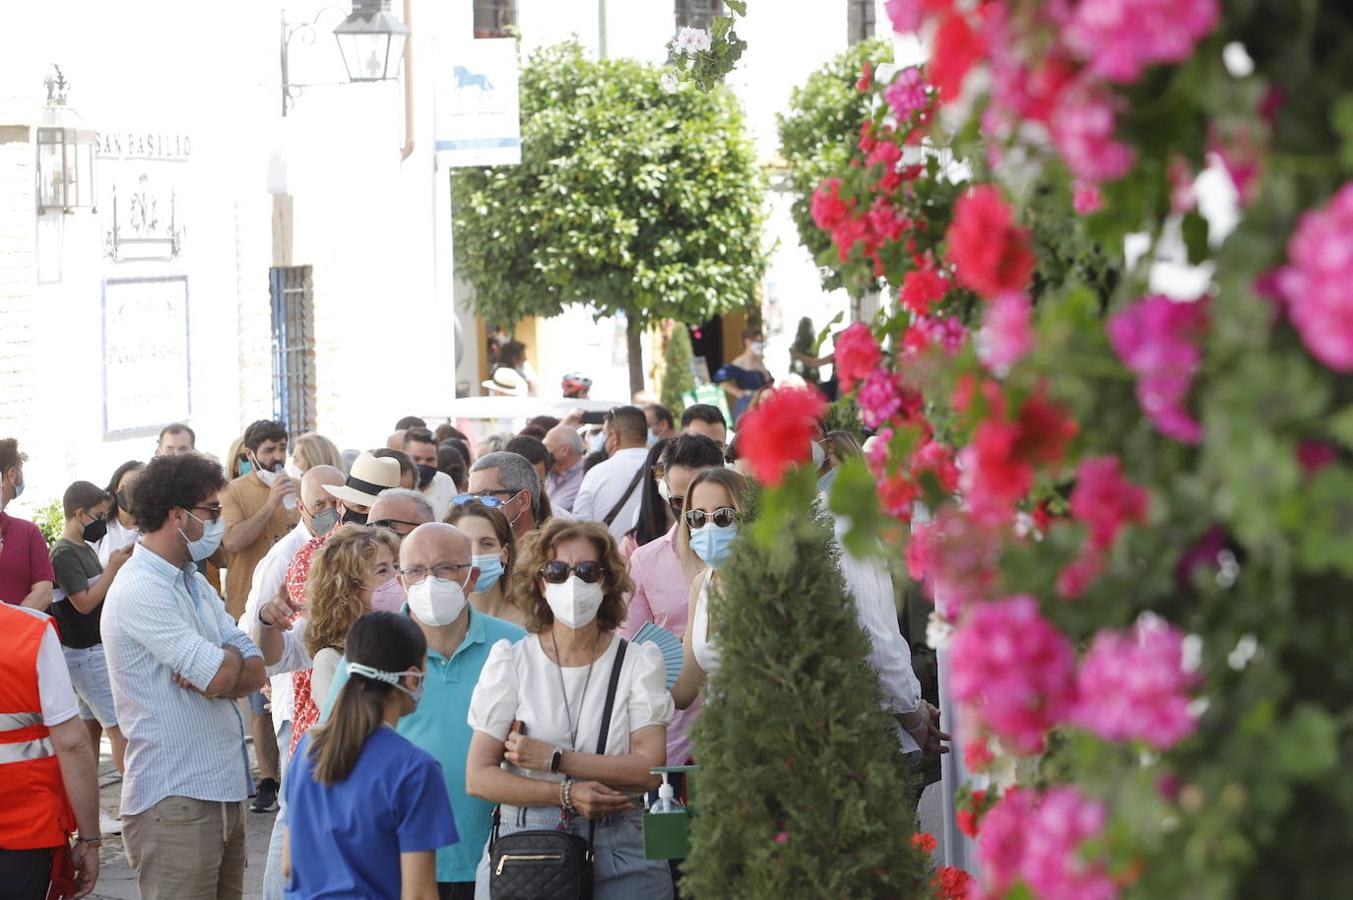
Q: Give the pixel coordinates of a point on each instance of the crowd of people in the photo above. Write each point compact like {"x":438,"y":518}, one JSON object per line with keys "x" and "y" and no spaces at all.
{"x":487,"y":600}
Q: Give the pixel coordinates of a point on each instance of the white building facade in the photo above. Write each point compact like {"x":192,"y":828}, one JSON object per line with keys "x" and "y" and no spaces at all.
{"x":167,"y":300}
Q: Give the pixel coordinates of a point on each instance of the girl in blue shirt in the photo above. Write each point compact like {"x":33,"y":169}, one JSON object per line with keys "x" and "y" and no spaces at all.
{"x":366,"y":809}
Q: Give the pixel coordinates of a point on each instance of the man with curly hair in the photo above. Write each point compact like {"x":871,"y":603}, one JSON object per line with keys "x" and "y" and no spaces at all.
{"x":177,"y":663}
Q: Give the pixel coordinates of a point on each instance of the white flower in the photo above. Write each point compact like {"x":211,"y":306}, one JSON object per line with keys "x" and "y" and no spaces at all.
{"x":690,"y":41}
{"x":1246,"y":649}
{"x":669,"y":81}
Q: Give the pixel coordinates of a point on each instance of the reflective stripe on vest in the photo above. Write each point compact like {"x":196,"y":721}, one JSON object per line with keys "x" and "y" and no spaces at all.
{"x":23,"y":751}
{"x":15,"y":721}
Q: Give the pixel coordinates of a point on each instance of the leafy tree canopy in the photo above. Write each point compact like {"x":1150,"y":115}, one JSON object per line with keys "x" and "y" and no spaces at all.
{"x":636,"y":199}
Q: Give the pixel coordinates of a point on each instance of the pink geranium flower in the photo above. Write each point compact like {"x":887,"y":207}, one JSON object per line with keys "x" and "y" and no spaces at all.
{"x":1132,"y":686}
{"x":1315,"y":282}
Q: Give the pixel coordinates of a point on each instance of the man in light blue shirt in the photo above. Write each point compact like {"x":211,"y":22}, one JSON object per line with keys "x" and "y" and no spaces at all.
{"x":435,"y":568}
{"x":177,"y":662}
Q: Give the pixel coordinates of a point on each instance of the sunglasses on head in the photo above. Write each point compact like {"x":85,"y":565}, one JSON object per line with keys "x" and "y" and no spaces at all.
{"x":556,"y":572}
{"x":721,"y":517}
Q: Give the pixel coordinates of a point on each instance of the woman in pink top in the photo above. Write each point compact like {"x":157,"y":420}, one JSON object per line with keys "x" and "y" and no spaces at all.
{"x":662,"y":582}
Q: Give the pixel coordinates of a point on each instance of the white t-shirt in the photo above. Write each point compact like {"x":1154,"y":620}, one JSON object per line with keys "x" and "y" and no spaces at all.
{"x":605,"y":484}
{"x":520,"y":682}
{"x":54,"y":687}
{"x":438,"y":494}
{"x":269,"y":576}
{"x":116,"y":538}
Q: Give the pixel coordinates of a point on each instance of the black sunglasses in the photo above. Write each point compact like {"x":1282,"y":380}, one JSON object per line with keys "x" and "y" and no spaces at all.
{"x":676,"y":503}
{"x":556,"y":572}
{"x":722,"y":517}
{"x":403,"y":529}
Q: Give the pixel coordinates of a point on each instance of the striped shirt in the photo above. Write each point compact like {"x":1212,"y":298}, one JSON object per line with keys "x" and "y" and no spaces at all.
{"x":158,"y":620}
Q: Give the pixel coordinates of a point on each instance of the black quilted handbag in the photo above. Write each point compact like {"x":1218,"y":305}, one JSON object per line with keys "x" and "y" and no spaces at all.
{"x":548,"y":864}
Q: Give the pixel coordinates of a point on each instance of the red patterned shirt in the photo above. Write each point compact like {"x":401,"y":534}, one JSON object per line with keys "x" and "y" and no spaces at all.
{"x":306,"y":712}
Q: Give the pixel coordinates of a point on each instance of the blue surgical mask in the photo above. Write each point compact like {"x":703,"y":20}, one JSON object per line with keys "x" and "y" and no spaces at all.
{"x":246,"y":467}
{"x":490,"y":570}
{"x":206,"y":545}
{"x":713,"y":544}
{"x":598,"y":443}
{"x":652,"y":438}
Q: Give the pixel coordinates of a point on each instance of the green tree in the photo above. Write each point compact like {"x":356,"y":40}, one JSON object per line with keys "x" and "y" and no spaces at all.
{"x":802,"y":791}
{"x":818,"y":133}
{"x":677,"y":377}
{"x":644,"y":202}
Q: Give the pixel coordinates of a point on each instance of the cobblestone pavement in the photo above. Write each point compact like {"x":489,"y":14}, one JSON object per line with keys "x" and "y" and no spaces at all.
{"x":117,"y":881}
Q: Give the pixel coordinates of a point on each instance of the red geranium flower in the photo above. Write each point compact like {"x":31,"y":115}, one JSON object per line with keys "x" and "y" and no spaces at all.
{"x":924,"y":840}
{"x":776,"y":433}
{"x":857,"y":352}
{"x":990,"y":253}
{"x":957,"y":47}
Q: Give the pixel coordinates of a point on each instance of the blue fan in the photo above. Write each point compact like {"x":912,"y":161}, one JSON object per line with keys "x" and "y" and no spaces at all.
{"x":672,"y":652}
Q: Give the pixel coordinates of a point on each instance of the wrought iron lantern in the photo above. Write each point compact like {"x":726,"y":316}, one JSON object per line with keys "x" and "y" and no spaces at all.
{"x":66,"y":150}
{"x":371,"y":41}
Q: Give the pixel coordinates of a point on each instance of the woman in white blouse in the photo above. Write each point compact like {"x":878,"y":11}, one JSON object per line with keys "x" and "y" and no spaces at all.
{"x":536,"y":712}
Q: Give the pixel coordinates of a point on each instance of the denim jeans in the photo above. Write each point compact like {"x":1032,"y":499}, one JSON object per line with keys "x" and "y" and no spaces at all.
{"x":620,"y":870}
{"x":273,"y":883}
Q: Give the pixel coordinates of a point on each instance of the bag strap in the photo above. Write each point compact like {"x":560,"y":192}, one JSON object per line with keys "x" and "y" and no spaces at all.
{"x":606,"y":717}
{"x":615,"y":510}
{"x":611,"y":689}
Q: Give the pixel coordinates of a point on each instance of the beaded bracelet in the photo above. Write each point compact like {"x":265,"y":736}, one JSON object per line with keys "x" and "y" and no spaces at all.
{"x":567,"y":791}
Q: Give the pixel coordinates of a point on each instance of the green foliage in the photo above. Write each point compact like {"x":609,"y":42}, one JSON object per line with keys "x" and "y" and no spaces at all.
{"x":803,"y":791}
{"x":818,"y":134}
{"x":844,"y":415}
{"x":677,"y":377}
{"x":640,"y":201}
{"x":51,"y":521}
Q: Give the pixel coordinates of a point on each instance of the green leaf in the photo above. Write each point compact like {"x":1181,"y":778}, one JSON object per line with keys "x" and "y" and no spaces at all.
{"x":1194,"y":228}
{"x":737,"y":6}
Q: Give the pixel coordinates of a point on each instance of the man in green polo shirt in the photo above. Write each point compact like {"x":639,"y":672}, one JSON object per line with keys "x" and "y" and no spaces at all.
{"x":435,"y":568}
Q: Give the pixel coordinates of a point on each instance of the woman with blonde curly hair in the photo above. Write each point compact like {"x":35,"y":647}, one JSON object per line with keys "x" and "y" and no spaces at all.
{"x":539,"y":707}
{"x":355,"y":564}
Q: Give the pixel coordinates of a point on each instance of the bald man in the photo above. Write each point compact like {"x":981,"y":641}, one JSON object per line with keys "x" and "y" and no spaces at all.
{"x":396,"y":440}
{"x":437,"y":571}
{"x":566,"y":476}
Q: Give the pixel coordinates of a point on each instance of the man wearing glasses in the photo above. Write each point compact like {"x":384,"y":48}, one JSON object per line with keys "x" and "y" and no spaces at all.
{"x":177,"y":662}
{"x":436,"y":568}
{"x":509,"y":482}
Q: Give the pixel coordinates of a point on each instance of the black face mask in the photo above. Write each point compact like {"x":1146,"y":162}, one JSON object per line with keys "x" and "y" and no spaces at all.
{"x":353,"y":517}
{"x":95,"y":531}
{"x":425,"y":476}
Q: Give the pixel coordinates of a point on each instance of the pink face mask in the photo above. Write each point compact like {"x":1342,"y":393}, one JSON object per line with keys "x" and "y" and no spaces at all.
{"x":389,"y":597}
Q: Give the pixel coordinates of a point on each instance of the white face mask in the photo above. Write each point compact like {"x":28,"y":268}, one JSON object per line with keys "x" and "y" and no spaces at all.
{"x":819,"y":456}
{"x":575,"y":602}
{"x":663,"y":490}
{"x":758,"y":347}
{"x":437,"y":601}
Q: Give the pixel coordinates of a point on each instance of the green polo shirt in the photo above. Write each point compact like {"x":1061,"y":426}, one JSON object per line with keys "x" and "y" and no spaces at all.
{"x":440,"y":725}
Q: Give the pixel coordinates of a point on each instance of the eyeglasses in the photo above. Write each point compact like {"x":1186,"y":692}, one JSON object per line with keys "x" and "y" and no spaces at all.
{"x":557,"y":572}
{"x":676,"y":503}
{"x":391,"y":523}
{"x":93,"y":518}
{"x":443,"y":571}
{"x":213,"y":511}
{"x":488,"y":498}
{"x":722,"y":517}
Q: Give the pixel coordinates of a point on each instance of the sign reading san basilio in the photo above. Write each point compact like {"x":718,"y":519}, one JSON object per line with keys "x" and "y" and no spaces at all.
{"x":141,"y":211}
{"x":144,"y":145}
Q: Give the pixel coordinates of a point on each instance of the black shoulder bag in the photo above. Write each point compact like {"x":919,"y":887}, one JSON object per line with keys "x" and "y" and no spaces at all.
{"x":624,"y":498}
{"x":548,"y":864}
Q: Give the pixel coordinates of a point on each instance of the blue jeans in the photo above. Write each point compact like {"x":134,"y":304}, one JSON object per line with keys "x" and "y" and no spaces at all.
{"x":619,"y":872}
{"x":273,"y":882}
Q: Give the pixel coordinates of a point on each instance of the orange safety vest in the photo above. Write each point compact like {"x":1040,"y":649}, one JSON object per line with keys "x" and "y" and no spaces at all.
{"x":34,"y":810}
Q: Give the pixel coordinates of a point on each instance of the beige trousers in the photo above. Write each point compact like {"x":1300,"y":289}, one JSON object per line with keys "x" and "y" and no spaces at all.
{"x":186,"y":849}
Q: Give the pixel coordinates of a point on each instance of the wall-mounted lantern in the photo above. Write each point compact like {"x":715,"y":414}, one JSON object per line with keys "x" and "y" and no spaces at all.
{"x":65,"y":153}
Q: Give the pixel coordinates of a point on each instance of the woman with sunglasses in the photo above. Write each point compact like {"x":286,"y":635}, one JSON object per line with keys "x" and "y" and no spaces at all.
{"x":709,"y":524}
{"x":495,"y":552}
{"x":538,"y":708}
{"x":662,"y":579}
{"x":350,"y":575}
{"x":366,"y":809}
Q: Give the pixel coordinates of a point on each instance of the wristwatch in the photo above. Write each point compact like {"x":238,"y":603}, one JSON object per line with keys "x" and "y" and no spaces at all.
{"x":96,"y":843}
{"x":556,"y":760}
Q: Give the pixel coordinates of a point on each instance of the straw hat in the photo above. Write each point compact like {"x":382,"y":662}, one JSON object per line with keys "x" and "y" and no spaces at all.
{"x":369,"y":476}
